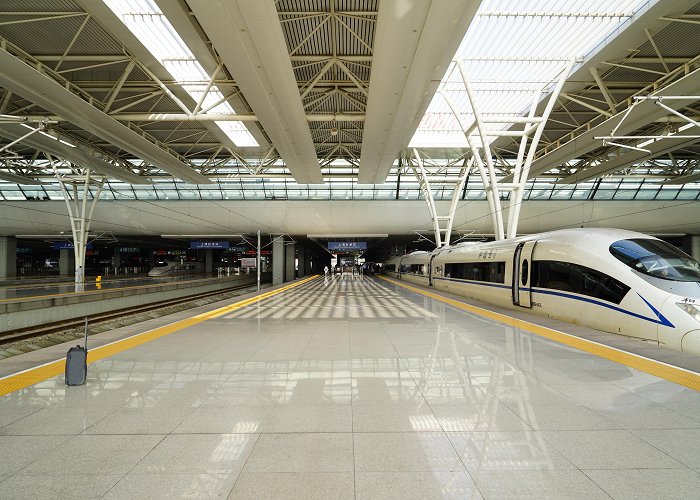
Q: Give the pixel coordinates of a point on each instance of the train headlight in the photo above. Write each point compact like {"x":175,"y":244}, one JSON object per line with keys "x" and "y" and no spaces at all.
{"x":692,"y":309}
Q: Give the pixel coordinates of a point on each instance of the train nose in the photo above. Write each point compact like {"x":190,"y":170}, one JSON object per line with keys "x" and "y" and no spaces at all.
{"x":690,"y":342}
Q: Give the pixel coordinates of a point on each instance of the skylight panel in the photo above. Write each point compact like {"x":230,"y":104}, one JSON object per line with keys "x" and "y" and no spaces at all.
{"x":147,"y":22}
{"x":512,"y":49}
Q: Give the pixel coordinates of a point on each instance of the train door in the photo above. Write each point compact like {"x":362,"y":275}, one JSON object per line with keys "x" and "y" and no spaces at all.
{"x":522,"y":267}
{"x":430,"y":270}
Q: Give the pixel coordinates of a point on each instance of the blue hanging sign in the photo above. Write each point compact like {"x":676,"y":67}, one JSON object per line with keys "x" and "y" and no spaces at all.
{"x":345,"y":246}
{"x":203,"y":245}
{"x":67,"y":245}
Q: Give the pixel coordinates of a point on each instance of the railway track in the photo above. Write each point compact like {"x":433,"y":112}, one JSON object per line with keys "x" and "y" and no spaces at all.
{"x":96,"y":319}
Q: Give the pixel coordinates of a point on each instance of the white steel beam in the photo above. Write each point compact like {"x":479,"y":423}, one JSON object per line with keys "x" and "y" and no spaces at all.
{"x":415,"y":42}
{"x":655,"y":149}
{"x":47,"y":93}
{"x":249,"y":37}
{"x":79,"y":155}
{"x":641,"y":115}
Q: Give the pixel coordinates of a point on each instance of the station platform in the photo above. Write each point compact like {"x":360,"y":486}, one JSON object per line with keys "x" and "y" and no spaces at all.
{"x":30,"y":305}
{"x":14,"y":291}
{"x":348,"y":387}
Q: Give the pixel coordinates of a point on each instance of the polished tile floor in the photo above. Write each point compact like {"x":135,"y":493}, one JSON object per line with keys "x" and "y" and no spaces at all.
{"x":352,"y":389}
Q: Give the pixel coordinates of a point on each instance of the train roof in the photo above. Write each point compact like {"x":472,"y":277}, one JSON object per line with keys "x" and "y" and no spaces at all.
{"x":593,"y":237}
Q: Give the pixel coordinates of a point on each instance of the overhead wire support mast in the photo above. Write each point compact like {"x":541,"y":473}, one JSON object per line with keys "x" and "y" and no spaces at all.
{"x":442,"y":224}
{"x":78,"y":212}
{"x":530,"y":135}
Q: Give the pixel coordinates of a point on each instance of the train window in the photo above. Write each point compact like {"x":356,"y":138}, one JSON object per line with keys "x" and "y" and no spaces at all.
{"x":523,"y":272}
{"x":656,"y":258}
{"x":413,"y":268}
{"x":583,"y":280}
{"x":491,"y":272}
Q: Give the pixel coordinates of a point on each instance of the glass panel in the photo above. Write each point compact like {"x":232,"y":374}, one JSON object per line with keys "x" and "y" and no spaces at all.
{"x":34,"y":193}
{"x":316,"y":193}
{"x":56,"y":194}
{"x":667,"y":192}
{"x":580,"y":194}
{"x":539,"y":193}
{"x":385,"y":194}
{"x":341,"y":192}
{"x":562,"y":194}
{"x":121,"y":190}
{"x":210,"y":193}
{"x":13,"y":194}
{"x":625,"y":194}
{"x":188,"y":192}
{"x":363,"y":192}
{"x":233,"y":194}
{"x":297,"y":193}
{"x":688,"y":194}
{"x":475,"y":194}
{"x":647,"y":193}
{"x":145,"y":193}
{"x":167,"y":194}
{"x":604,"y":194}
{"x":277,"y":193}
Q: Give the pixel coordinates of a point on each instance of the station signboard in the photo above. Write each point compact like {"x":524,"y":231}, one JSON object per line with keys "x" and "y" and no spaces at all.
{"x":67,"y":245}
{"x":345,"y":246}
{"x":204,"y":245}
{"x":248,"y":262}
{"x":255,"y":252}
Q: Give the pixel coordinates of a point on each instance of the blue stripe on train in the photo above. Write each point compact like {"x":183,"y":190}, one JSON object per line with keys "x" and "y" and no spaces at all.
{"x":660,"y":319}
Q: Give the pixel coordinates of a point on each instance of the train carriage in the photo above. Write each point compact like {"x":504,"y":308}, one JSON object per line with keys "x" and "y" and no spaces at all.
{"x":612,"y":280}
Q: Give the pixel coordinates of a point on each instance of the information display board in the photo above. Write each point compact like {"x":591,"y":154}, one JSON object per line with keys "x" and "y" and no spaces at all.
{"x":203,"y":245}
{"x":345,"y":246}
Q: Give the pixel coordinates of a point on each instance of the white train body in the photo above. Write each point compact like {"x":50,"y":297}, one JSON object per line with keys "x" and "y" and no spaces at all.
{"x":612,"y":280}
{"x":175,"y":268}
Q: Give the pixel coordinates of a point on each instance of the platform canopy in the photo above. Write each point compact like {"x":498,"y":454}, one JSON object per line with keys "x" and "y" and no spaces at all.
{"x":293,"y":99}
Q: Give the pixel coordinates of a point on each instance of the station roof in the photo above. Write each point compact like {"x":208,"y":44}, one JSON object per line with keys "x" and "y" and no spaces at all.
{"x":202,"y":96}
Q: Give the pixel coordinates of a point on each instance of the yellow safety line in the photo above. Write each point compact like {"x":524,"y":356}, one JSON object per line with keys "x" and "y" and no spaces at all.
{"x":31,"y":376}
{"x":106,"y":290}
{"x":659,"y":369}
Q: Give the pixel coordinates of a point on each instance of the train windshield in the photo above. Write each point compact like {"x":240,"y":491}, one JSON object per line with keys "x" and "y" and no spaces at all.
{"x":656,"y":258}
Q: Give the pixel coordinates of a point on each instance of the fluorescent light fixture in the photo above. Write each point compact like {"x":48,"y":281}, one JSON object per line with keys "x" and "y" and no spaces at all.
{"x":148,"y":23}
{"x":512,"y":49}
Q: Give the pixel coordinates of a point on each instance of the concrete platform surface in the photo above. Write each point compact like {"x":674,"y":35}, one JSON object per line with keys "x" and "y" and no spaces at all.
{"x":351,"y":388}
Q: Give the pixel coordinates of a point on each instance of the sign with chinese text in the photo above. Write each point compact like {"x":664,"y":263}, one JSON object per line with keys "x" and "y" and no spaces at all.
{"x":344,"y":246}
{"x":204,"y":245}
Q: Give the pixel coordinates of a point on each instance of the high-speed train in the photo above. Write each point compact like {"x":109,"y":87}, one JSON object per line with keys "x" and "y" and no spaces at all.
{"x":609,"y":279}
{"x":174,"y":268}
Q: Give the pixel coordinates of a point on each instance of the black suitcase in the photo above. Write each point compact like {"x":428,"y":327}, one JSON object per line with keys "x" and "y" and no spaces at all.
{"x":76,"y":363}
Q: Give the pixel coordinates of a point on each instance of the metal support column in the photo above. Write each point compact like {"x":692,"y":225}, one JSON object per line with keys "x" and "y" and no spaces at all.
{"x":208,"y":261}
{"x":442,"y":224}
{"x":8,"y":257}
{"x":289,"y":260}
{"x":257,"y":261}
{"x":79,"y":213}
{"x":533,"y":126}
{"x":278,"y":260}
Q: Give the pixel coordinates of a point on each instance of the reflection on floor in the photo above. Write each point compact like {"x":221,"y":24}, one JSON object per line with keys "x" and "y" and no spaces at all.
{"x":352,"y":388}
